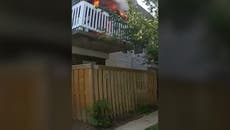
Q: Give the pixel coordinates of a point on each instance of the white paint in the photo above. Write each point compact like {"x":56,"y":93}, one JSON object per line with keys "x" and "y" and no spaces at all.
{"x":79,"y":21}
{"x":144,"y":6}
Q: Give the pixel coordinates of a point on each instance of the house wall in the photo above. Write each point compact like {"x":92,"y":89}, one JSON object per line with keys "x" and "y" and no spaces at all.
{"x":119,"y":59}
{"x":127,"y":60}
{"x":82,"y":56}
{"x":83,"y":59}
{"x":88,"y":52}
{"x":141,"y":9}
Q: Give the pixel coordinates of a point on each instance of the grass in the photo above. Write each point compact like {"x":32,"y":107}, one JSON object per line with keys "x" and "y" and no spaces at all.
{"x":154,"y":127}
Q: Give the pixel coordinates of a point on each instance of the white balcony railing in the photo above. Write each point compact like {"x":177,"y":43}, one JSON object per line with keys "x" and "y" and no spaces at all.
{"x":85,"y":15}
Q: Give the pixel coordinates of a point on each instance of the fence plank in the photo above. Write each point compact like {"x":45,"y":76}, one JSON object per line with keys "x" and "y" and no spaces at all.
{"x":82,"y":93}
{"x":128,"y":90}
{"x":130,"y":79}
{"x":100,"y":84}
{"x":96,"y":85}
{"x":118,"y":93}
{"x":104,"y":78}
{"x":126,"y":93}
{"x":86,"y":90}
{"x":109,"y":90}
{"x":155,"y":88}
{"x":116,"y":101}
{"x":121,"y":92}
{"x":136,"y":88}
{"x":89,"y":90}
{"x":112,"y":93}
{"x":142,"y":89}
{"x":74,"y":109}
{"x":124,"y":89}
{"x":78,"y":105}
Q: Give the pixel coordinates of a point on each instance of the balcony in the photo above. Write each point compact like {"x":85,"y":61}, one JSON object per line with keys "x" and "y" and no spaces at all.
{"x":90,"y":21}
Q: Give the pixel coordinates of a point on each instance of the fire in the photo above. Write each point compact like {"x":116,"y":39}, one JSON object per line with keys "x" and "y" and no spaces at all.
{"x":96,"y":3}
{"x":111,"y":5}
{"x":122,"y":13}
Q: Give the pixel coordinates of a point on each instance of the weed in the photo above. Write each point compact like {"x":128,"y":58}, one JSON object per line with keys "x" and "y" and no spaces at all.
{"x":143,"y":109}
{"x":99,"y":114}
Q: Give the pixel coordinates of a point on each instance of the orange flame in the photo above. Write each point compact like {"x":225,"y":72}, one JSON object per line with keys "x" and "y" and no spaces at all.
{"x":96,"y":3}
{"x":122,"y":13}
{"x":110,"y":4}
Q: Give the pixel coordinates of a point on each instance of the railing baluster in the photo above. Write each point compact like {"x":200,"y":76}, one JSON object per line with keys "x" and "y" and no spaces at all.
{"x":107,"y":25}
{"x":90,"y":18}
{"x":111,"y":31}
{"x":113,"y":23}
{"x":118,"y":34}
{"x":93,"y":25}
{"x":115,"y":28}
{"x":86,"y":15}
{"x":72,"y":22}
{"x":99,"y":21}
{"x":72,"y":18}
{"x":96,"y":19}
{"x":76,"y":17}
{"x":102,"y":20}
{"x":120,"y":30}
{"x":81,"y":14}
{"x":105,"y":22}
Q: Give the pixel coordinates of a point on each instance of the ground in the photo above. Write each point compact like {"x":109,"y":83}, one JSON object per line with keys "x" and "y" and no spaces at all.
{"x":142,"y":123}
{"x":133,"y":123}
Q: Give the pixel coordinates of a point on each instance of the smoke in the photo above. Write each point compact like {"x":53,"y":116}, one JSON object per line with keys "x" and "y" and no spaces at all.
{"x":122,"y":4}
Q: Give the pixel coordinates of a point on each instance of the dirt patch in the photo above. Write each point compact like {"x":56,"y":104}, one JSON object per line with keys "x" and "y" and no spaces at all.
{"x":78,"y":125}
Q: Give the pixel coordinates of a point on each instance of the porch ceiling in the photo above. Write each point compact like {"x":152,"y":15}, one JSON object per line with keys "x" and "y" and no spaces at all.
{"x":90,"y":41}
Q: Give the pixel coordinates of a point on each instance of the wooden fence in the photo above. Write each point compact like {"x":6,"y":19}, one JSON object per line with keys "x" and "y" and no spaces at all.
{"x":123,"y":88}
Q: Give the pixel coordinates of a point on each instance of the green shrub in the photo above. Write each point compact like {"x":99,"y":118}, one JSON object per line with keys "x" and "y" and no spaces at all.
{"x":99,"y":114}
{"x":154,"y":127}
{"x":143,"y":109}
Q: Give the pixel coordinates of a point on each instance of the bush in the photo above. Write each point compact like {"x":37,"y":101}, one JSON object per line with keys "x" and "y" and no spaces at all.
{"x":99,"y":114}
{"x":155,"y":127}
{"x":143,"y":109}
